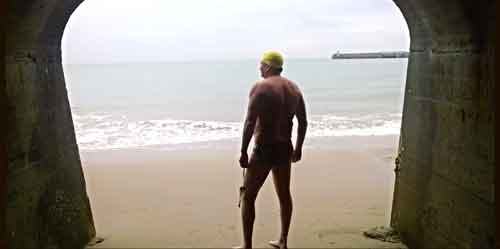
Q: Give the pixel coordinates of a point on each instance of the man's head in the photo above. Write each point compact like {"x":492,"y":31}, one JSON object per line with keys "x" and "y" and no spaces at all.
{"x":271,"y":64}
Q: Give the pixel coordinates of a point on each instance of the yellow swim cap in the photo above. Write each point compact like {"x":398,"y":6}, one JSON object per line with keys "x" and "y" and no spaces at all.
{"x":273,"y":59}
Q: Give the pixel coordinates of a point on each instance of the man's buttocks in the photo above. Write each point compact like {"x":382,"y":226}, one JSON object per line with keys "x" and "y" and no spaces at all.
{"x":273,"y":154}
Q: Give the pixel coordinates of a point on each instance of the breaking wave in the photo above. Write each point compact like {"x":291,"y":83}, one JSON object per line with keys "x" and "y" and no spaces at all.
{"x":101,"y":131}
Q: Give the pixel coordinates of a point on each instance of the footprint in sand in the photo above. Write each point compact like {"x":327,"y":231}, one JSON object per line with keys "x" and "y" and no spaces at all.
{"x":320,"y":237}
{"x":335,"y":231}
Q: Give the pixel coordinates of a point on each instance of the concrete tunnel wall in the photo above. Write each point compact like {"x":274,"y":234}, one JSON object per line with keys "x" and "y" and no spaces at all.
{"x":47,"y":203}
{"x":444,"y":192}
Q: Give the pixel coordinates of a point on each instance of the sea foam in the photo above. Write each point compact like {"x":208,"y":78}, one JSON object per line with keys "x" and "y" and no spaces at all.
{"x":101,"y":131}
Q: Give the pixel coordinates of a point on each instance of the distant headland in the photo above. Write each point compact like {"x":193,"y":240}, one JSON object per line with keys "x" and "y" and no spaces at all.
{"x":377,"y":55}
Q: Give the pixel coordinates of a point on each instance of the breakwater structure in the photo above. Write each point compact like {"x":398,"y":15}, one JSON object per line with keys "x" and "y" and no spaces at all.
{"x":375,"y":55}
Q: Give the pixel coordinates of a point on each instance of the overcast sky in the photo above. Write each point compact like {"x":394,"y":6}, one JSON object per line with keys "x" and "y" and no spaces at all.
{"x":109,"y":31}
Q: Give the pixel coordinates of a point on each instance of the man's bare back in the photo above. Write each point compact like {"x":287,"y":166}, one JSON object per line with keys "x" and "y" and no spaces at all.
{"x":279,"y":99}
{"x":273,"y":103}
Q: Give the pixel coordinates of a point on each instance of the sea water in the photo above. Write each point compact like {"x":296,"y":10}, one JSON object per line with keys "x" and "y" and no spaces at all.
{"x":132,"y":105}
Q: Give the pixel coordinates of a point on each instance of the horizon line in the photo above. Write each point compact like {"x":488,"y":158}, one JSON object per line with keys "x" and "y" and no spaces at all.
{"x":211,"y":60}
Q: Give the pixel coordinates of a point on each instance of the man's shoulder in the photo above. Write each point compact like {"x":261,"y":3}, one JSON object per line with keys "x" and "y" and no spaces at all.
{"x":287,"y":81}
{"x":259,"y":88}
{"x":293,"y":85}
{"x":261,"y":85}
{"x":263,"y":82}
{"x":272,"y":81}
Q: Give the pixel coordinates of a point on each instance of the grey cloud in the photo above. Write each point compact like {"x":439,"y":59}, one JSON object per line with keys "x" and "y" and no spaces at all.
{"x":242,"y":30}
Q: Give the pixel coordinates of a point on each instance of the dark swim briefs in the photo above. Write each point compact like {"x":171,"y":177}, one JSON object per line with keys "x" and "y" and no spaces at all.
{"x":274,"y":154}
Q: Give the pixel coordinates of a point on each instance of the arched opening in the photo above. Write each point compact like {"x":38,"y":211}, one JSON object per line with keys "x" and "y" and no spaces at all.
{"x":167,"y":117}
{"x":446,"y":148}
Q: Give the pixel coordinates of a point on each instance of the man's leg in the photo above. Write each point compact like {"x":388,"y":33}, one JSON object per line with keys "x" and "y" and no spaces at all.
{"x":254,"y":179}
{"x":281,"y":179}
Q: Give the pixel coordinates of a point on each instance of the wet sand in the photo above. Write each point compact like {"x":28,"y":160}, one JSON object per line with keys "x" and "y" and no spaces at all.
{"x":147,"y":198}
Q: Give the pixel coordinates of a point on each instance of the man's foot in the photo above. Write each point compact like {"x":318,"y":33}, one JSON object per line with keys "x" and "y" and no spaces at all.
{"x":278,"y":244}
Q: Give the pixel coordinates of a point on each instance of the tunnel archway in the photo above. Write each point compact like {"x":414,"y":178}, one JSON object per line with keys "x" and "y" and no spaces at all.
{"x":446,"y":152}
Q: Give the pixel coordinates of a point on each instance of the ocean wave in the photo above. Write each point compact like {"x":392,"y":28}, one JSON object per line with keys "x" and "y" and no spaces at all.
{"x":101,"y":131}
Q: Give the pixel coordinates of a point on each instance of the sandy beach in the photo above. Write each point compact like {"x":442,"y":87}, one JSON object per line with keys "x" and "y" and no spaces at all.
{"x":187,"y":197}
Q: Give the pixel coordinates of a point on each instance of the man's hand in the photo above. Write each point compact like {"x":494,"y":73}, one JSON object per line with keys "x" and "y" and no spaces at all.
{"x":244,"y":160}
{"x":297,"y":155}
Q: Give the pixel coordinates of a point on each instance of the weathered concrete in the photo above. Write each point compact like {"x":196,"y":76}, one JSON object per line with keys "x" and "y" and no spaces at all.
{"x":47,"y":204}
{"x":444,"y":193}
{"x":444,"y":188}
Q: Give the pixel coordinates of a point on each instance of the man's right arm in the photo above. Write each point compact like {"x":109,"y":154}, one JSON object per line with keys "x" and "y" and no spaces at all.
{"x":254,"y":108}
{"x":302,"y":128}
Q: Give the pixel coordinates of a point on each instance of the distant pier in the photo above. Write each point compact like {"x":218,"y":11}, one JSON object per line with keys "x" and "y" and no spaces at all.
{"x":377,"y":55}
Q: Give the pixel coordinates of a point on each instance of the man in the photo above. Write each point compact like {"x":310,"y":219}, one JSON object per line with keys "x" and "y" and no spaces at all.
{"x":274,"y":101}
